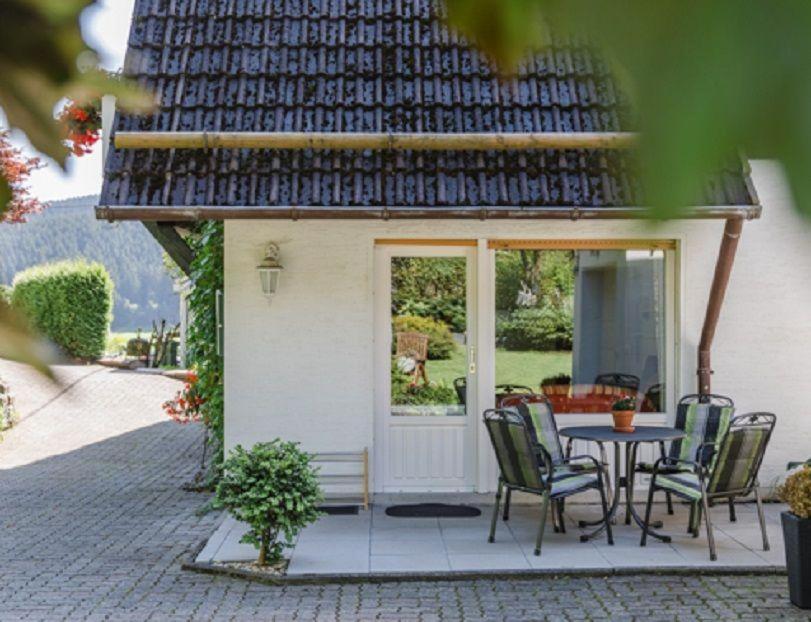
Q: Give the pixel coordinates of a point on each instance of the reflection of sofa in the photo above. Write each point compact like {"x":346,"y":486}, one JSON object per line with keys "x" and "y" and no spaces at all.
{"x":584,"y":398}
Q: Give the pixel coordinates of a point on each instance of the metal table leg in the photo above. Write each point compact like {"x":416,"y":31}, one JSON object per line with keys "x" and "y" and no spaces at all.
{"x":630,"y":451}
{"x":614,"y":496}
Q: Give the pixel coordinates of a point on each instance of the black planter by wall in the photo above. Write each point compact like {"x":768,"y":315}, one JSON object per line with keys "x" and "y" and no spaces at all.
{"x":797,"y":536}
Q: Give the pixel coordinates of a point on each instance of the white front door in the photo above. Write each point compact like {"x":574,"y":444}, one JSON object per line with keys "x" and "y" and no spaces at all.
{"x":425,"y":429}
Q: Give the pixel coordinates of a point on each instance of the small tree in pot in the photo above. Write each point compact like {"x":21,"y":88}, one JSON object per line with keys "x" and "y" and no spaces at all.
{"x":796,"y":492}
{"x":274,"y":489}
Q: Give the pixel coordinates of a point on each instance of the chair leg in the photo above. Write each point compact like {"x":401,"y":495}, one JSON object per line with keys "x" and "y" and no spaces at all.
{"x":544,"y":510}
{"x":710,"y":537}
{"x":692,"y":521}
{"x":732,"y":517}
{"x":761,"y":518}
{"x":604,"y":501}
{"x":668,"y":496}
{"x":699,"y":515}
{"x":507,"y":499}
{"x":493,"y":522}
{"x":648,"y":508}
{"x":561,"y":523}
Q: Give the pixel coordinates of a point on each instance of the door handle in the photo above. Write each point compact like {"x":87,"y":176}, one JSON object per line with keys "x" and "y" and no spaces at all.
{"x":471,"y":353}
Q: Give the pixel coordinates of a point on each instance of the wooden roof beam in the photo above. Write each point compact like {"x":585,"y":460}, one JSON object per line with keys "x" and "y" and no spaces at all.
{"x":422,"y":141}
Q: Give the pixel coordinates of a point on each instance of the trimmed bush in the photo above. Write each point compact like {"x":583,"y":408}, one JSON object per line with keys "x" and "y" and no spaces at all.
{"x":440,"y":340}
{"x":5,"y":294}
{"x":274,"y":489}
{"x":536,"y":329}
{"x":70,"y":302}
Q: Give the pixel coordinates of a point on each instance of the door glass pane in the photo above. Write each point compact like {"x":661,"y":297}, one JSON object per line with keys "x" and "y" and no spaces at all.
{"x":582,"y":327}
{"x":429,"y":346}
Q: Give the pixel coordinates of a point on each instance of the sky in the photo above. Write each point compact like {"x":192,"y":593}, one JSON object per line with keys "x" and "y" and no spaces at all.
{"x":105,"y":27}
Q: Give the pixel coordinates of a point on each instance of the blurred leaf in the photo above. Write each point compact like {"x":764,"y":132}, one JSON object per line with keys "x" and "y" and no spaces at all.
{"x":707,"y":78}
{"x":19,"y":344}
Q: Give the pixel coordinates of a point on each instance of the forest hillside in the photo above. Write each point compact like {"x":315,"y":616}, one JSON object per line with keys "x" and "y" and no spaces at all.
{"x":68,"y":230}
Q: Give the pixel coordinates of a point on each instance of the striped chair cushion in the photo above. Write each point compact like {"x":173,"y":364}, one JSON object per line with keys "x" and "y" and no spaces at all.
{"x":702,"y":423}
{"x":737,"y":459}
{"x":542,"y":428}
{"x":566,"y":482}
{"x":515,"y":454}
{"x":682,"y":484}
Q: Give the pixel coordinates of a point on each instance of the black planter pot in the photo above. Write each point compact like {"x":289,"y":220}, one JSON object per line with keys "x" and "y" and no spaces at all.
{"x":797,"y":536}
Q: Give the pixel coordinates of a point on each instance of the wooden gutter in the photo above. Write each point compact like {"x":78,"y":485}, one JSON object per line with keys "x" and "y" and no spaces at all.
{"x":215,"y":212}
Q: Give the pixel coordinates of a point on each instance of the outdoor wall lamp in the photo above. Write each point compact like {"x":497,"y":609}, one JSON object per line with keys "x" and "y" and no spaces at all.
{"x":270,"y":271}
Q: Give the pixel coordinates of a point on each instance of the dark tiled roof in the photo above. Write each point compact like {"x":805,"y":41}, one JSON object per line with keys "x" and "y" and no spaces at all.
{"x":362,"y":65}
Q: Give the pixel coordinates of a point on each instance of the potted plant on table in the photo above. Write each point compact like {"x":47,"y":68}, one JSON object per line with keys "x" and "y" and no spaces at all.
{"x":623,"y":411}
{"x":796,"y":492}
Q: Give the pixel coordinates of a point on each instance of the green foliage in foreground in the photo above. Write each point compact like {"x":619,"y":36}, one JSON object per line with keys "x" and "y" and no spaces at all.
{"x":707,"y":78}
{"x":202,"y":336}
{"x":440,"y":340}
{"x":274,"y":489}
{"x":5,"y":294}
{"x":69,"y":302}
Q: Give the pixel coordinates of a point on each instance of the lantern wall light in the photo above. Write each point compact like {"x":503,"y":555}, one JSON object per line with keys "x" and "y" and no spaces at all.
{"x":270,"y":271}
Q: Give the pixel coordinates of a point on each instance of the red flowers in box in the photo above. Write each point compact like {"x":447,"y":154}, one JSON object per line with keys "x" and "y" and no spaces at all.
{"x":82,"y":125}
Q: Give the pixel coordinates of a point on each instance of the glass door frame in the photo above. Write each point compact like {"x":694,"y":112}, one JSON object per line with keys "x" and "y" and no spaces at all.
{"x":384,"y":252}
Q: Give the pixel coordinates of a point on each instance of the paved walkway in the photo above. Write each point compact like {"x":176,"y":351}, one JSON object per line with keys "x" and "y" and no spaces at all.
{"x":94,"y":525}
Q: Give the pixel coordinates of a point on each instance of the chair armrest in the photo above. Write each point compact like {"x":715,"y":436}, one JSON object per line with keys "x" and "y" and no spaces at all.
{"x":594,"y":460}
{"x":668,"y":461}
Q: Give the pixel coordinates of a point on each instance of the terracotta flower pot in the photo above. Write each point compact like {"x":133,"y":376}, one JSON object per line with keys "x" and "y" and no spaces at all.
{"x":623,"y":420}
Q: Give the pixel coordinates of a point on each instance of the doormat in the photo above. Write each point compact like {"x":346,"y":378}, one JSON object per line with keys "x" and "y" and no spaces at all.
{"x":339,"y":510}
{"x":432,"y":510}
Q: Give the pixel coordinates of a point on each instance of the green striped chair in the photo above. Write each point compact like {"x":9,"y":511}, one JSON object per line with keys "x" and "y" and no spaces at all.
{"x":523,"y":466}
{"x":536,"y":410}
{"x":705,"y":419}
{"x":729,"y":472}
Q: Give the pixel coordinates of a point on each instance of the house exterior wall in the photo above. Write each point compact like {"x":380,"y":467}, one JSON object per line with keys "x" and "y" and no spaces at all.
{"x":302,"y":367}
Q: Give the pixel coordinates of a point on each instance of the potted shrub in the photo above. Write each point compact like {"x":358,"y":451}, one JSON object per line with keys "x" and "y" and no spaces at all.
{"x":274,"y":489}
{"x":796,"y":492}
{"x":623,"y":411}
{"x":558,"y":384}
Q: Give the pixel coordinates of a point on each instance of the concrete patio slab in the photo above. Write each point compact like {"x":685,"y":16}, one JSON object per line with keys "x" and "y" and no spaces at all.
{"x":374,"y":544}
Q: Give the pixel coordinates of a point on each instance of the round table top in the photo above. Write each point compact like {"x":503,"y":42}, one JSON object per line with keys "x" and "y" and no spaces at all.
{"x":606,"y":433}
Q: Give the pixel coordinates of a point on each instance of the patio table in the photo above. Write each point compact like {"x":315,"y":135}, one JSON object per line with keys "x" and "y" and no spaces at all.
{"x":602,"y":434}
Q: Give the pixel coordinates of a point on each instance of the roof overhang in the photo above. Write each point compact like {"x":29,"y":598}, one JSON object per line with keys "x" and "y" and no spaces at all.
{"x":215,"y":212}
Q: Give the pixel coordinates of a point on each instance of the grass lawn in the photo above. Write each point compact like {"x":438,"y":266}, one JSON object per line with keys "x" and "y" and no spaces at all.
{"x":526,"y":368}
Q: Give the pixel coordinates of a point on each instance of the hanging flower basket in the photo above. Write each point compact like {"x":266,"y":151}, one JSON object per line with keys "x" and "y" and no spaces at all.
{"x":82,"y":124}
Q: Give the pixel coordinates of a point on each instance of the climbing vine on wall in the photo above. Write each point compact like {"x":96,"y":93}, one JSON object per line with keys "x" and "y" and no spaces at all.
{"x":203,"y":333}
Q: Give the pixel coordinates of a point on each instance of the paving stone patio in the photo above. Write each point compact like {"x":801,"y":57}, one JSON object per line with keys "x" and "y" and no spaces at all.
{"x":94,"y":525}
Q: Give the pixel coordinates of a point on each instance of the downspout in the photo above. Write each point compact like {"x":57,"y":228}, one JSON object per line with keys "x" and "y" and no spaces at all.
{"x":720,"y":280}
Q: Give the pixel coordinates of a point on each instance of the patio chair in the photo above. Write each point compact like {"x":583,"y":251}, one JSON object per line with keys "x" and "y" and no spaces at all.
{"x":415,"y":346}
{"x":537,"y":413}
{"x":705,"y":419}
{"x":615,"y":379}
{"x":731,"y":471}
{"x":523,"y":467}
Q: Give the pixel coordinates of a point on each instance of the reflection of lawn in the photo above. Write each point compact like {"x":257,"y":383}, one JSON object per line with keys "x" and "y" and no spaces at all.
{"x":526,"y":368}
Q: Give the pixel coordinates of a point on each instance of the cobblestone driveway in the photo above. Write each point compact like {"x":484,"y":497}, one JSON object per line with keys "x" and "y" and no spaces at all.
{"x":94,"y":525}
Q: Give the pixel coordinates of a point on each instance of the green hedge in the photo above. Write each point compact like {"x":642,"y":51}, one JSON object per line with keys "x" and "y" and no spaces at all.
{"x":5,"y":294}
{"x":536,"y":329}
{"x":70,"y":302}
